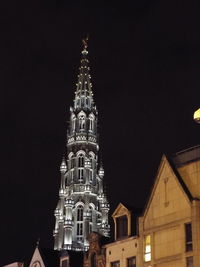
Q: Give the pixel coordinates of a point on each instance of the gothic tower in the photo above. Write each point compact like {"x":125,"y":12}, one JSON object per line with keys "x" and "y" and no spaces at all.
{"x":82,"y":207}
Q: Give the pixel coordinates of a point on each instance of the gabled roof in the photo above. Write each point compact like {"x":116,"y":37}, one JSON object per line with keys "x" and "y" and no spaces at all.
{"x":133,"y":212}
{"x":182,"y":183}
{"x":177,"y":177}
{"x":47,"y":257}
{"x":119,"y":208}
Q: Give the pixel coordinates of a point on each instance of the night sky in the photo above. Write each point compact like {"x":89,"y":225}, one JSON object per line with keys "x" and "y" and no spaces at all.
{"x":145,"y":67}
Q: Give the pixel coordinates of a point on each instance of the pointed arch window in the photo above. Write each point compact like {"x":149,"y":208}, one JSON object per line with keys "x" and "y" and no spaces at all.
{"x":79,"y":229}
{"x":81,"y":160}
{"x":91,"y":123}
{"x":92,"y":158}
{"x":80,"y":213}
{"x":73,"y":123}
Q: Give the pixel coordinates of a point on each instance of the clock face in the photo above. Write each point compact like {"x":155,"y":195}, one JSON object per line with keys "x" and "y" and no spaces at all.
{"x":36,"y":264}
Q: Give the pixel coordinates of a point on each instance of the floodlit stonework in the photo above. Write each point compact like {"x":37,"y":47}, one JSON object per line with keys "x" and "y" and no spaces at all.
{"x":82,"y":207}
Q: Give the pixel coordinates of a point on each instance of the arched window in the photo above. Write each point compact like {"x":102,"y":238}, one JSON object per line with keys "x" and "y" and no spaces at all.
{"x":79,"y":216}
{"x":80,"y":160}
{"x":92,"y":158}
{"x":91,"y":122}
{"x":73,"y":122}
{"x":91,"y":155}
{"x":71,"y":160}
{"x":79,"y":213}
{"x":93,"y":260}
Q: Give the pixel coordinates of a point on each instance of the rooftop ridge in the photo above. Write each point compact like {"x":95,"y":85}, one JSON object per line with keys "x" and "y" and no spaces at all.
{"x":186,"y":150}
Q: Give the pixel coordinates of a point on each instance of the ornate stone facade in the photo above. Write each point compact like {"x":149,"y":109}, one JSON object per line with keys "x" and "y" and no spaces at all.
{"x":95,"y":257}
{"x":82,"y":207}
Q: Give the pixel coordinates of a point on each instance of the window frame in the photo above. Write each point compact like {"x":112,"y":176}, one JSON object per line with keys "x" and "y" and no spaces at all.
{"x":113,"y":264}
{"x":131,"y":258}
{"x":188,"y":237}
{"x":147,"y":248}
{"x":122,"y":226}
{"x":188,"y":264}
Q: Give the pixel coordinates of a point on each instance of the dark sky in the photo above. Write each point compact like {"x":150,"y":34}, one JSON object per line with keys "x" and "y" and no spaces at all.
{"x":145,"y":67}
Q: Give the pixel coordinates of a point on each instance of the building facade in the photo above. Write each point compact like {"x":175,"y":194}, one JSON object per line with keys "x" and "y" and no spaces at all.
{"x":169,"y":230}
{"x":95,"y":256}
{"x":168,"y":233}
{"x":82,"y":207}
{"x":124,"y":250}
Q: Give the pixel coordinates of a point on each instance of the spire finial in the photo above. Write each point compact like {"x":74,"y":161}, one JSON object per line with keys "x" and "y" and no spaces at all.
{"x":38,"y":242}
{"x":85,"y":42}
{"x":85,"y":45}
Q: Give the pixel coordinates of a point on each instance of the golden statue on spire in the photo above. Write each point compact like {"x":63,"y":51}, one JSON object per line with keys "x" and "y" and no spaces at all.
{"x":85,"y":42}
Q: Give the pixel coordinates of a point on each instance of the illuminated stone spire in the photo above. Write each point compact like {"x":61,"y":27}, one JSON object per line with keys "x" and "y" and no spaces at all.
{"x":82,"y":207}
{"x":84,"y":94}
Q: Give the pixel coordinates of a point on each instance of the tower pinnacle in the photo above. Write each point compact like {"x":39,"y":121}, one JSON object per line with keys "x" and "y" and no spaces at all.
{"x":83,"y":207}
{"x":85,"y":44}
{"x":84,"y":95}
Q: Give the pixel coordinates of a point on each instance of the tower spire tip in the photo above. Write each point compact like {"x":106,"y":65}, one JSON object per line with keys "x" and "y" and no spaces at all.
{"x":85,"y":44}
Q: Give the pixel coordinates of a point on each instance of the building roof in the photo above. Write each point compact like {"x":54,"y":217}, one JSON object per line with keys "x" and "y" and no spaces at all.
{"x":180,"y":179}
{"x":50,"y":257}
{"x":186,"y":156}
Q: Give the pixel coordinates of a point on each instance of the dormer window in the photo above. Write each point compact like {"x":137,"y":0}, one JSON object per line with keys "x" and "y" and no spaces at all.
{"x":122,"y":226}
{"x":122,"y":220}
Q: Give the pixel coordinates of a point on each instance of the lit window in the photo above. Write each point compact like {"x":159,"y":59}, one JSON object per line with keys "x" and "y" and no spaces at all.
{"x":188,"y":237}
{"x":115,"y":264}
{"x":147,"y":248}
{"x":131,"y":262}
{"x":189,"y":262}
